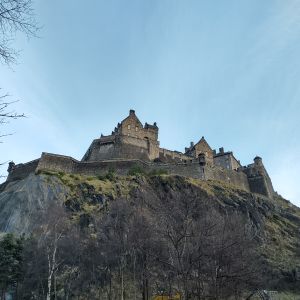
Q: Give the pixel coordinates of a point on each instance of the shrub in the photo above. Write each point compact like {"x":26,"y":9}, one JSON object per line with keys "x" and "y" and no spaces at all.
{"x":136,"y":170}
{"x":101,"y":177}
{"x":111,"y":175}
{"x":158,"y":172}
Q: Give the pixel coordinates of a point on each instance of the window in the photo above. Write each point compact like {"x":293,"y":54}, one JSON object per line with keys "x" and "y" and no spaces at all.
{"x":128,"y":126}
{"x":136,"y":128}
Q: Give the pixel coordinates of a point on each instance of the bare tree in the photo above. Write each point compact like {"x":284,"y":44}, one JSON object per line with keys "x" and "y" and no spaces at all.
{"x":52,"y":233}
{"x":6,"y":113}
{"x":15,"y":16}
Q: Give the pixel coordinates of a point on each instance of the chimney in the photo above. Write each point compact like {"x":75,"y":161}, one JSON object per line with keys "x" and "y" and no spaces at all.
{"x":132,"y":112}
{"x":192,"y":144}
{"x":221,"y":150}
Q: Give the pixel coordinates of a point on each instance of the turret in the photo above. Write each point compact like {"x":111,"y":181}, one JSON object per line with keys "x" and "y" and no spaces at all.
{"x":258,"y":161}
{"x":11,"y":166}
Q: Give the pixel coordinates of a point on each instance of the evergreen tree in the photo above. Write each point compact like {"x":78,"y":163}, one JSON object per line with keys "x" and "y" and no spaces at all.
{"x":10,"y":263}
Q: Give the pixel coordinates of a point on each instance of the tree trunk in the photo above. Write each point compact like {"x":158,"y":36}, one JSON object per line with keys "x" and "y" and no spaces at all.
{"x":49,"y":288}
{"x":122,"y":283}
{"x":55,"y":297}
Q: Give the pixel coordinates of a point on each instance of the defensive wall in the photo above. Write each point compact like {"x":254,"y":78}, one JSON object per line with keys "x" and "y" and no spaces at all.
{"x":171,"y":156}
{"x":21,"y":171}
{"x":234,"y":177}
{"x":60,"y":163}
{"x":119,"y":147}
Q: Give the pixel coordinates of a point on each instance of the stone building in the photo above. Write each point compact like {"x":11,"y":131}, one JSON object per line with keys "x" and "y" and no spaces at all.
{"x":133,"y":144}
{"x":130,"y":139}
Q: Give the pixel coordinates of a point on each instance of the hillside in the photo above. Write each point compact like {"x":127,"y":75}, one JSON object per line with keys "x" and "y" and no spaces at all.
{"x":275,"y":223}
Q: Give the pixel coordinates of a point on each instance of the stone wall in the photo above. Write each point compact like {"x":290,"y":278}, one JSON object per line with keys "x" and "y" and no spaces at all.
{"x":227,"y":161}
{"x":121,"y":147}
{"x":169,"y":156}
{"x":21,"y":171}
{"x":189,"y":169}
{"x":259,"y":179}
{"x":258,"y":185}
{"x":233,"y":177}
{"x":122,"y":167}
{"x":248,"y":178}
{"x":59,"y":163}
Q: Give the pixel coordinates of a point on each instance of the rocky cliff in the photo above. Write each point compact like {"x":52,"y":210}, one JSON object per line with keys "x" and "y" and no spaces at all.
{"x":276,"y":221}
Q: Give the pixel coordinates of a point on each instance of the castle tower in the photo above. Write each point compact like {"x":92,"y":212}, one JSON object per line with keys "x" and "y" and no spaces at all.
{"x":258,"y":178}
{"x":129,"y":140}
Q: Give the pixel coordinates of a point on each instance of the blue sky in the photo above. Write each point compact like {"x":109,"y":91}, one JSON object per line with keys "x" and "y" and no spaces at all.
{"x":227,"y":70}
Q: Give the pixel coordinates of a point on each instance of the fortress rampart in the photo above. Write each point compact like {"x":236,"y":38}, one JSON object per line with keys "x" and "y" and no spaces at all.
{"x":66,"y":164}
{"x":21,"y":171}
{"x":133,"y":145}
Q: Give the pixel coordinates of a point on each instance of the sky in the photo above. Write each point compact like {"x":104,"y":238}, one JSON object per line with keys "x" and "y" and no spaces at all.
{"x":228,"y":70}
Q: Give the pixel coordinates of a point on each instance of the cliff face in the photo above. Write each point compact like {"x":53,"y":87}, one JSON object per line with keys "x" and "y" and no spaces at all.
{"x":276,"y":221}
{"x":21,"y":200}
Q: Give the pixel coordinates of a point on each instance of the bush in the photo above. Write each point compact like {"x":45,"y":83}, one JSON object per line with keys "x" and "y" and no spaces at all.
{"x":158,"y":172}
{"x":111,"y":175}
{"x":101,"y":177}
{"x":136,"y":170}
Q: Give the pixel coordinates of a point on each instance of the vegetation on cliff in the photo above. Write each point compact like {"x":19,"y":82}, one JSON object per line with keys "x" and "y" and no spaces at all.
{"x":141,"y":235}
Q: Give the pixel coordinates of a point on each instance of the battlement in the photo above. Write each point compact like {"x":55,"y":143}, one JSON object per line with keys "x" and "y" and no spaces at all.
{"x":131,"y":144}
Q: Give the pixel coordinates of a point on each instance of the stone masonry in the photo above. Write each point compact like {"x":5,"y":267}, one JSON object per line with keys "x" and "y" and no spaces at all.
{"x":133,"y":144}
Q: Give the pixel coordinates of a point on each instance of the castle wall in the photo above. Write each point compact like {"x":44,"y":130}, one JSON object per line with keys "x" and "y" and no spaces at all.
{"x":233,"y":177}
{"x":222,"y":161}
{"x":171,"y":156}
{"x":258,"y":185}
{"x":57,"y":163}
{"x":21,"y":171}
{"x":66,"y":164}
{"x":122,"y":147}
{"x":122,"y":167}
{"x":226,"y":161}
{"x":250,"y":178}
{"x":183,"y":169}
{"x":259,"y":179}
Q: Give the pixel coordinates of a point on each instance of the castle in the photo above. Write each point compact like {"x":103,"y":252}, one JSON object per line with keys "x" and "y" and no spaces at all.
{"x":132,"y":144}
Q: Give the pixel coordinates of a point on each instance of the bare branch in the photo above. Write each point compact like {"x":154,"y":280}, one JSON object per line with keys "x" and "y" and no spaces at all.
{"x":15,"y":16}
